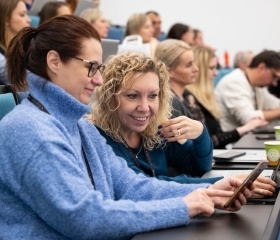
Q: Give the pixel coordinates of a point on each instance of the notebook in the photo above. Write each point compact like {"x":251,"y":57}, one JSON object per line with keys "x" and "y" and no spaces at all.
{"x":251,"y":156}
{"x":109,"y":47}
{"x":264,"y":130}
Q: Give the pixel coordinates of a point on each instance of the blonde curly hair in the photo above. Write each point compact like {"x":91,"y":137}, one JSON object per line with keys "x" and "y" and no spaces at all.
{"x":119,"y":70}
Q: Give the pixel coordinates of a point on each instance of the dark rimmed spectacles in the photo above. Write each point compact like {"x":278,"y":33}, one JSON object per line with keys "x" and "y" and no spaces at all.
{"x":93,"y":66}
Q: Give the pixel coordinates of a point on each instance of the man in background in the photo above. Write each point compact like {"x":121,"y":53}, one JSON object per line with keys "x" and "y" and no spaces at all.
{"x":156,"y":21}
{"x":243,"y":95}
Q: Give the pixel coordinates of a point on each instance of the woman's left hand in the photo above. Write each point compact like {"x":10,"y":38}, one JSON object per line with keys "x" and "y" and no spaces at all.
{"x":181,"y":128}
{"x":264,"y":186}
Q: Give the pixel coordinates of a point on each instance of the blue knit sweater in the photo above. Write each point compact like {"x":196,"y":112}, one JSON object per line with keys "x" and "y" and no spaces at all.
{"x":45,"y":191}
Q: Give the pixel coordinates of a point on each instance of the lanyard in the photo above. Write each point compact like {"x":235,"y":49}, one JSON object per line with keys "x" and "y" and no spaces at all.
{"x":135,"y":158}
{"x":42,"y":108}
{"x":254,"y":90}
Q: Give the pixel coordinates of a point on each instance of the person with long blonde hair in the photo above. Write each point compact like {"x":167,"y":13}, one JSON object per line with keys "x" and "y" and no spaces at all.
{"x":202,"y":94}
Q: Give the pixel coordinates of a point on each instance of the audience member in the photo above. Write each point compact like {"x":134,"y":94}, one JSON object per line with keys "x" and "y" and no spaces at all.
{"x":58,"y":178}
{"x":52,"y":9}
{"x":179,"y":59}
{"x":242,"y":59}
{"x":141,"y":24}
{"x":243,"y":95}
{"x":95,"y":17}
{"x":12,"y":19}
{"x":202,"y":102}
{"x":156,"y":22}
{"x":198,"y":38}
{"x":196,"y":73}
{"x":182,"y":32}
{"x":128,"y":111}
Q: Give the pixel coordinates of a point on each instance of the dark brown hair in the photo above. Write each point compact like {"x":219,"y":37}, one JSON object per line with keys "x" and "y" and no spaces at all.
{"x":270,"y":58}
{"x":6,"y":9}
{"x":50,"y":9}
{"x":29,"y":48}
{"x":178,"y":30}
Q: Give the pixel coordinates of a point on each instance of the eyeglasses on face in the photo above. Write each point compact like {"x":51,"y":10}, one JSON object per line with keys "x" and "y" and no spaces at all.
{"x":93,"y":66}
{"x":274,"y":76}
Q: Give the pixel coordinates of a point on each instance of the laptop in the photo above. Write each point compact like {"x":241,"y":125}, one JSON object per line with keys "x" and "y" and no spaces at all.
{"x":109,"y":47}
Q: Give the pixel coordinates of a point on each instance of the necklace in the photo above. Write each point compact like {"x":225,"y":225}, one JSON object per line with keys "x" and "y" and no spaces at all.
{"x":135,"y":158}
{"x":139,"y":151}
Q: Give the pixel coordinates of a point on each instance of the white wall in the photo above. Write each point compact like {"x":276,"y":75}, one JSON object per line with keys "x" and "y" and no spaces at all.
{"x":227,"y":25}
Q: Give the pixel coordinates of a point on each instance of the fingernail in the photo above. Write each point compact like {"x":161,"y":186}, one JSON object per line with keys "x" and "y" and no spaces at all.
{"x":160,"y":126}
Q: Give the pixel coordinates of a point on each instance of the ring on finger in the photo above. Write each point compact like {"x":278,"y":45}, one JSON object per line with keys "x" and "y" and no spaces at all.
{"x":179,"y":133}
{"x":261,"y":191}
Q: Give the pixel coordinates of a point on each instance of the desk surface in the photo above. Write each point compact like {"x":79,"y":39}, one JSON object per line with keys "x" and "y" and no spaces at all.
{"x":258,"y":222}
{"x":249,"y":141}
{"x":249,"y":223}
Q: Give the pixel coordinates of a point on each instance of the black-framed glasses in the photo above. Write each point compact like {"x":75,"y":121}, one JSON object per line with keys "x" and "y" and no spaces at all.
{"x":94,"y":66}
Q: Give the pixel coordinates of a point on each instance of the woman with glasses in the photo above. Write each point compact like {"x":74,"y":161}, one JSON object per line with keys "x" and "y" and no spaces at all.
{"x":58,"y":177}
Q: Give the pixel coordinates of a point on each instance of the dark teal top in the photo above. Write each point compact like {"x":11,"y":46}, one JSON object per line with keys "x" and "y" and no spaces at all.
{"x":191,"y":160}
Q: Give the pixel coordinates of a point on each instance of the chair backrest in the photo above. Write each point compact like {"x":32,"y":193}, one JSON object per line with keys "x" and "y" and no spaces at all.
{"x":7,"y":103}
{"x":9,"y":89}
{"x":35,"y":20}
{"x":116,"y":32}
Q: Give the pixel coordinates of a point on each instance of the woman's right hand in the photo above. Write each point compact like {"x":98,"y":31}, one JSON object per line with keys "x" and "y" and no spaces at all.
{"x":199,"y":202}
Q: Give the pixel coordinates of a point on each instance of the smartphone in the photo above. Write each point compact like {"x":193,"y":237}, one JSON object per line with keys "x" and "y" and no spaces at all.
{"x":229,"y":155}
{"x":265,"y":137}
{"x":251,"y":178}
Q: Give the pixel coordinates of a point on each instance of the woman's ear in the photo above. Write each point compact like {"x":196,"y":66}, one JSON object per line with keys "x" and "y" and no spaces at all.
{"x":170,"y":72}
{"x":53,"y":61}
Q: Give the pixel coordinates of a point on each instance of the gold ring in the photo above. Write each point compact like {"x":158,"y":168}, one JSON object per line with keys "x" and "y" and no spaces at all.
{"x":261,"y":191}
{"x":179,"y":133}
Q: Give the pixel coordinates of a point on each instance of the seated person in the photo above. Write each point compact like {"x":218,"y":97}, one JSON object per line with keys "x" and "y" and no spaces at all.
{"x":141,"y":24}
{"x":130,"y":121}
{"x":13,"y":17}
{"x":127,"y":110}
{"x":156,"y":22}
{"x":192,"y":88}
{"x":182,"y":32}
{"x":58,"y":177}
{"x":243,"y":95}
{"x":52,"y":9}
{"x":95,"y":17}
{"x":201,"y":94}
{"x":242,"y":59}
